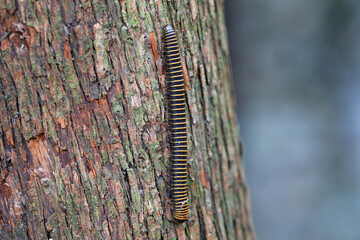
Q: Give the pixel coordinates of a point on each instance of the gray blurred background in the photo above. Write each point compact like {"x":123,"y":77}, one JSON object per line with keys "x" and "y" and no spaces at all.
{"x":296,"y":68}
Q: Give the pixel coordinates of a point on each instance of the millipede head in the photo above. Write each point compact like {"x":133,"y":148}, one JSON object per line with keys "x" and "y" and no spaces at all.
{"x":168,"y":28}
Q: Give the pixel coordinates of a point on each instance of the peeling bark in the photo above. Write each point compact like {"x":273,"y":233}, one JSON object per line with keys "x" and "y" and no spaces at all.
{"x":83,"y":134}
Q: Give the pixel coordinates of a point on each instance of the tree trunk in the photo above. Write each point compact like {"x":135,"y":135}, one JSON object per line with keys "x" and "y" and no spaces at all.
{"x":83,"y":147}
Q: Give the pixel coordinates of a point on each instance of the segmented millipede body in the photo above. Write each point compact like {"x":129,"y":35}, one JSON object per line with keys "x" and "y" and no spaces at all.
{"x":176,"y":88}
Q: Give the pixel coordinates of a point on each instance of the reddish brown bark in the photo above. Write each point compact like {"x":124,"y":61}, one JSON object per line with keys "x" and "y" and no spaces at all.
{"x":83,"y":147}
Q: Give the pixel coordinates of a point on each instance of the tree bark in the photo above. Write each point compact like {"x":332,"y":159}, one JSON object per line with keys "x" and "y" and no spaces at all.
{"x":83,"y":147}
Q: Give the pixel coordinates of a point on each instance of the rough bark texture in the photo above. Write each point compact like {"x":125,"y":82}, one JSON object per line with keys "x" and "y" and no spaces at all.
{"x":83,"y":134}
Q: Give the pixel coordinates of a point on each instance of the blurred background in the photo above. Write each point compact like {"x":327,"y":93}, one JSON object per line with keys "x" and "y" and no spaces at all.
{"x":296,"y":67}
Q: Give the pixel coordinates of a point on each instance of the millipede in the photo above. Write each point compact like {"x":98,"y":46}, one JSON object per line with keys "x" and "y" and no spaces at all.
{"x":176,"y":93}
